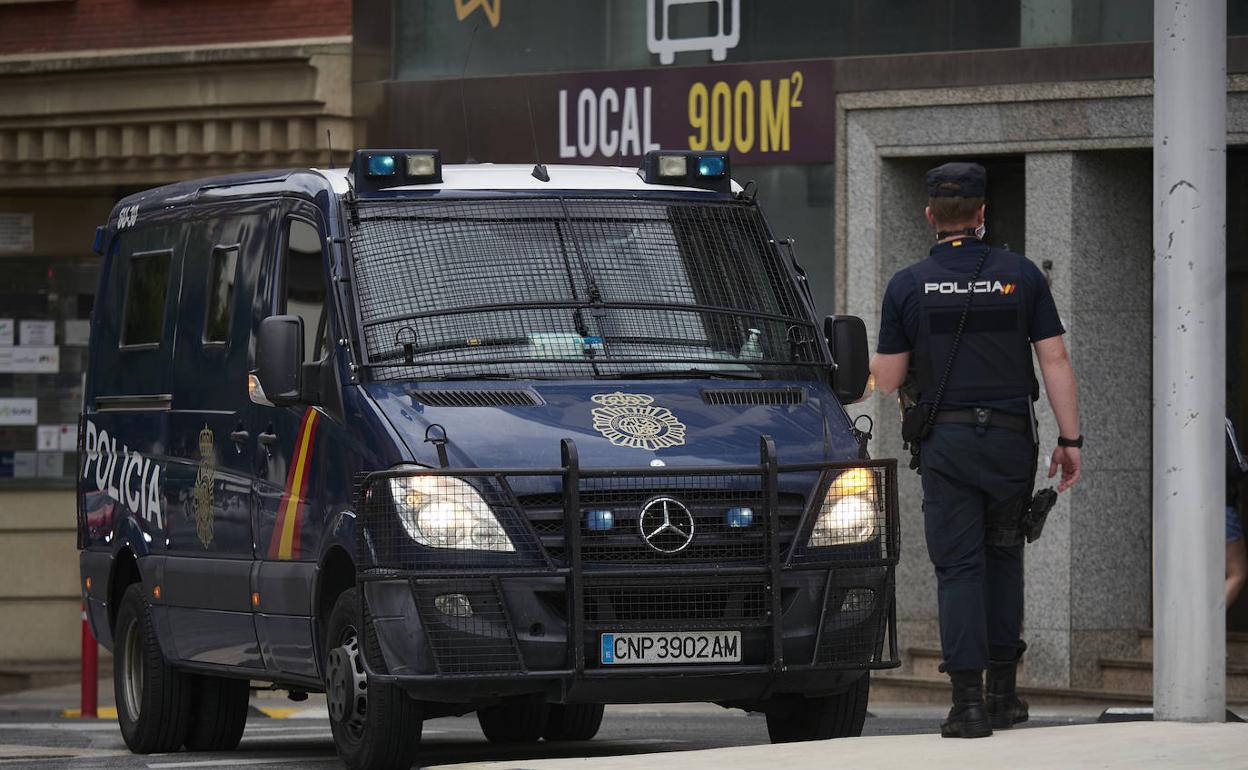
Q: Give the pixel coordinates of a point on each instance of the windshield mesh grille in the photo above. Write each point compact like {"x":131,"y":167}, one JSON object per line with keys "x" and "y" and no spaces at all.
{"x":559,"y":287}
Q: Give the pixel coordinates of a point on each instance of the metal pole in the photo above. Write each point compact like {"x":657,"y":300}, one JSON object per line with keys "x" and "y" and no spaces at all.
{"x":1189,"y":366}
{"x":89,"y":695}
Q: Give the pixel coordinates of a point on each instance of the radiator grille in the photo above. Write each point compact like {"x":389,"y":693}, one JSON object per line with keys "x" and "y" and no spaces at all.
{"x":658,"y":603}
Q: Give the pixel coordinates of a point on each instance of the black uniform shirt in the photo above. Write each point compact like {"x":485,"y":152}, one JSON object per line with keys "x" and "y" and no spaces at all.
{"x":899,"y":319}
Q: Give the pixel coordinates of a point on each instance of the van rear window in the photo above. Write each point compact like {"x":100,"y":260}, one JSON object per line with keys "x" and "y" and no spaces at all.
{"x":548,"y":287}
{"x":145,"y":298}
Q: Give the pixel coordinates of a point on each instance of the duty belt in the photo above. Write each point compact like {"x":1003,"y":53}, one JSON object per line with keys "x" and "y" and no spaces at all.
{"x":982,"y":417}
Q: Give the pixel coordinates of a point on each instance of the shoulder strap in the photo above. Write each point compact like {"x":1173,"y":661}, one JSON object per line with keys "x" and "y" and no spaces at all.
{"x":957,"y":342}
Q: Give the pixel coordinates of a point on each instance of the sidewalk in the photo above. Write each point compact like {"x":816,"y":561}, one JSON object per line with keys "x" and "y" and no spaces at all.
{"x":1130,"y":746}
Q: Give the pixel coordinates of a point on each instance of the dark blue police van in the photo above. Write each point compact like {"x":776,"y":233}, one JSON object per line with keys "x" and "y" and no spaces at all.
{"x":436,"y":440}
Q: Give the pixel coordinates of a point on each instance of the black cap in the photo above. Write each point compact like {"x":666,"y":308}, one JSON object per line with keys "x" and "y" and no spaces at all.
{"x":957,"y":180}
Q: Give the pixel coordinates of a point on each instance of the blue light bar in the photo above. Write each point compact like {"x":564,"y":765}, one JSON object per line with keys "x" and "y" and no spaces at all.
{"x":599,"y":521}
{"x":381,"y":165}
{"x":739,"y":518}
{"x":712,"y":166}
{"x":688,"y":168}
{"x":377,"y":169}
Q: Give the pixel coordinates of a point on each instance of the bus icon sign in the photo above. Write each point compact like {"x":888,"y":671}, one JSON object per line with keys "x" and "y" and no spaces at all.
{"x":725,"y":35}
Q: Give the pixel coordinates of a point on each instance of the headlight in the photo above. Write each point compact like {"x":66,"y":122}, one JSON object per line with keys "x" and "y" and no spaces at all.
{"x":445,"y":512}
{"x":849,"y":511}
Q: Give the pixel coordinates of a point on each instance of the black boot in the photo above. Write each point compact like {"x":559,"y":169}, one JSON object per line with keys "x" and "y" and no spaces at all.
{"x":1005,"y":708}
{"x":968,"y":717}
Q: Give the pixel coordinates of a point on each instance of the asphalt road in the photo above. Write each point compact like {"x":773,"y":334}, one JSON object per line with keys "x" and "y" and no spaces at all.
{"x":304,"y":741}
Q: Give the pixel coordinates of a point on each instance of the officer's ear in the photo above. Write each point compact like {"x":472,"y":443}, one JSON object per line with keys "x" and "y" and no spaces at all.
{"x":979,"y":215}
{"x":931,"y":220}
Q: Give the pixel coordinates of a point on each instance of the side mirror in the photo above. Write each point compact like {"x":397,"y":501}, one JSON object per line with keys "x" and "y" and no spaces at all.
{"x":279,"y":358}
{"x":847,"y":339}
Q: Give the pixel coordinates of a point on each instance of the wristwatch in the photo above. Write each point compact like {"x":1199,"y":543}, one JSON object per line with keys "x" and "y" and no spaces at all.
{"x":1073,"y":443}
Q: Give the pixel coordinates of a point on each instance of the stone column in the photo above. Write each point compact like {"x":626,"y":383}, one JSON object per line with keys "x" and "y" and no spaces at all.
{"x":1088,"y":214}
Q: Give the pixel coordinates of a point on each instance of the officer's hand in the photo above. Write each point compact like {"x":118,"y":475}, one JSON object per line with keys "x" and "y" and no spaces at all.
{"x":1071,"y":463}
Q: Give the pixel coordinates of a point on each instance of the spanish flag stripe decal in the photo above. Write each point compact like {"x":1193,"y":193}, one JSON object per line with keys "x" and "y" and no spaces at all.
{"x":284,"y":543}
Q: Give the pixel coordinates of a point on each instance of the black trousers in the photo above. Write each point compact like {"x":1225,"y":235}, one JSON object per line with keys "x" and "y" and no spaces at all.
{"x":966,"y":472}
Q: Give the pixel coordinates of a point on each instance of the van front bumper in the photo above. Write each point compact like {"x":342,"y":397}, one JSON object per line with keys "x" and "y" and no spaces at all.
{"x":810,"y":622}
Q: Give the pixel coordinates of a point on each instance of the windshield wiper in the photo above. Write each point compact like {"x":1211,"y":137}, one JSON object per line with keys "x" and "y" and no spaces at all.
{"x":665,"y":374}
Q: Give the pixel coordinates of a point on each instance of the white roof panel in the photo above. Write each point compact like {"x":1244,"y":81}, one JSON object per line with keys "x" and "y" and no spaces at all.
{"x":519,"y":176}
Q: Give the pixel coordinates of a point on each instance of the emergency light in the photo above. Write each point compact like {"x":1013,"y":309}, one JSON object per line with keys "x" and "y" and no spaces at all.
{"x":687,"y":168}
{"x":378,"y":169}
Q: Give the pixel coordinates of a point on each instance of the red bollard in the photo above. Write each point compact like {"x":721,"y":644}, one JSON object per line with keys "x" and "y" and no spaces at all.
{"x":90,"y":671}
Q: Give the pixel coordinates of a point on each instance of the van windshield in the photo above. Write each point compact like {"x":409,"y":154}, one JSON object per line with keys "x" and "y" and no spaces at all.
{"x":575,"y":287}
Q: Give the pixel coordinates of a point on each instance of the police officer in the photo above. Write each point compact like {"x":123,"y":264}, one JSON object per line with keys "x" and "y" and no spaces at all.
{"x":965,"y":321}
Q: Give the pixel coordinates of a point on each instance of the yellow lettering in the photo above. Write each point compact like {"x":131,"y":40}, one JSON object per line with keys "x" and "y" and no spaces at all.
{"x":743,"y":116}
{"x":721,"y":116}
{"x":697,"y":116}
{"x":773,"y":117}
{"x":798,"y":81}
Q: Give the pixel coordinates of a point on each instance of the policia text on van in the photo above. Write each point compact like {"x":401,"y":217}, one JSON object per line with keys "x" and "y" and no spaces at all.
{"x":450,"y":440}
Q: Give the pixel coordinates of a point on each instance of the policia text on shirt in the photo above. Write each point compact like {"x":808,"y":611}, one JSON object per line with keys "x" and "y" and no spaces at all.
{"x":959,"y":324}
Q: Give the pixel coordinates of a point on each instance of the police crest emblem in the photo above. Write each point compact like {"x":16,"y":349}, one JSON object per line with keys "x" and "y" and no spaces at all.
{"x":629,"y":419}
{"x":204,"y":482}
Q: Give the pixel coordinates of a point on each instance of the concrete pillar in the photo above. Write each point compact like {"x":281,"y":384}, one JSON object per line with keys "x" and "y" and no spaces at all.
{"x":1189,"y":366}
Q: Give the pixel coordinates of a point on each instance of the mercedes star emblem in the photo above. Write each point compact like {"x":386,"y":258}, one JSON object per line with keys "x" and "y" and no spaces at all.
{"x":666,"y":525}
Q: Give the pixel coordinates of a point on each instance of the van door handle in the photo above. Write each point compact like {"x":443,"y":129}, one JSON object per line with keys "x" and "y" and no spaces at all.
{"x":266,"y":438}
{"x":239,"y":436}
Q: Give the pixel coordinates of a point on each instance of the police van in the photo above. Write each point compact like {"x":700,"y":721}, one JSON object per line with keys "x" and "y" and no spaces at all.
{"x":434,"y":440}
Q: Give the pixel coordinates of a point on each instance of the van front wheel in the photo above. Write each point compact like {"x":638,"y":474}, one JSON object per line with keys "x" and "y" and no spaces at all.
{"x":376,"y":726}
{"x":792,"y":718}
{"x":573,"y":721}
{"x":153,"y":697}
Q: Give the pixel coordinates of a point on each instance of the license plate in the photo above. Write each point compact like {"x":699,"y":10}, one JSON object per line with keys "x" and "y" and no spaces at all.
{"x":672,"y":647}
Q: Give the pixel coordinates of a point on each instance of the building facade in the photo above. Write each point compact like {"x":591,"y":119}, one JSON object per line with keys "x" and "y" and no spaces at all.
{"x":835,"y":109}
{"x":98,"y":99}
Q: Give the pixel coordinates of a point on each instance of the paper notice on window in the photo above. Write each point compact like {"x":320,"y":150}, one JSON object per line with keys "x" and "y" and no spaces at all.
{"x":38,"y":332}
{"x":19,"y":411}
{"x":24,"y":465}
{"x":48,"y":438}
{"x":67,"y":440}
{"x":29,"y":359}
{"x":6,"y":331}
{"x":50,"y":465}
{"x":17,"y":233}
{"x":77,"y":332}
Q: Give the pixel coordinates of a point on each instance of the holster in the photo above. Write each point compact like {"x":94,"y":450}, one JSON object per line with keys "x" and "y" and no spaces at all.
{"x":1019,"y":518}
{"x":915,"y":426}
{"x":914,"y":423}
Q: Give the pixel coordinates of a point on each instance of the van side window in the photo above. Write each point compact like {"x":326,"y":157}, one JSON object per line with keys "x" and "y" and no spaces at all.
{"x":144,"y":320}
{"x":222,"y":268}
{"x":305,"y":285}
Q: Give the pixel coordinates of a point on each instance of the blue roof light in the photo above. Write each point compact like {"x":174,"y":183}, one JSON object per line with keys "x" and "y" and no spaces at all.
{"x":711,"y":166}
{"x":599,"y":521}
{"x":739,"y":518}
{"x":381,"y":165}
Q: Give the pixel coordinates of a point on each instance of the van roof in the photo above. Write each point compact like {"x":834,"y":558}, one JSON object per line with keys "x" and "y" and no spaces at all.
{"x":519,"y":177}
{"x":478,"y":177}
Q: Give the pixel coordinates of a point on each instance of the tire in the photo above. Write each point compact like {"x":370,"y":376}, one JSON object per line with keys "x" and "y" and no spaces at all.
{"x":218,"y":713}
{"x":573,"y":722}
{"x":517,"y":720}
{"x":795,"y":718}
{"x":153,"y":698}
{"x":389,"y":736}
